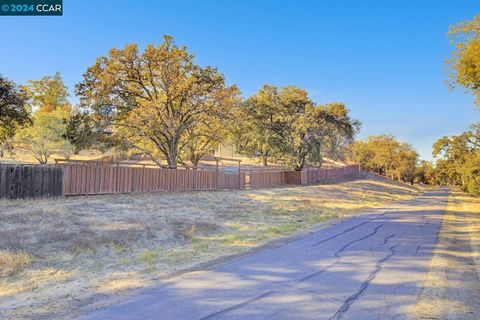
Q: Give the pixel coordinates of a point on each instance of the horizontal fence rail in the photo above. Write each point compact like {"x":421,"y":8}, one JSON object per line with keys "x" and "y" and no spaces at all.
{"x":30,"y":181}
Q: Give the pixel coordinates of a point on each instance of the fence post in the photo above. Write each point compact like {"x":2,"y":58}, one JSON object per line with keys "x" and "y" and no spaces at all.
{"x":194,"y":179}
{"x":216,"y":174}
{"x":238,"y":184}
{"x":87,"y":167}
{"x":143,"y":179}
{"x":116,"y":178}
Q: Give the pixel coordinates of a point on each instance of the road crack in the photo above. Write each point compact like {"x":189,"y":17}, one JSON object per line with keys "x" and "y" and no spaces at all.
{"x":351,"y":299}
{"x":268,"y":293}
{"x":350,"y":229}
{"x":337,"y":254}
{"x":238,"y":306}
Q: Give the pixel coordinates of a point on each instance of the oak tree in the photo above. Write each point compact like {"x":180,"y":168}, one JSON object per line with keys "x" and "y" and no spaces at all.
{"x":14,"y":113}
{"x":458,"y":159}
{"x":202,"y":138}
{"x":464,"y":64}
{"x":387,"y":156}
{"x":255,"y":126}
{"x":48,"y":93}
{"x":46,"y":136}
{"x":285,"y":124}
{"x":151,"y":99}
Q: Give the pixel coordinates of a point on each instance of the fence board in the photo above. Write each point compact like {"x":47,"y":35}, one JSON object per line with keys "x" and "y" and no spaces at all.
{"x":268,"y":179}
{"x":85,"y":179}
{"x":315,"y":175}
{"x":35,"y":181}
{"x":29,"y":181}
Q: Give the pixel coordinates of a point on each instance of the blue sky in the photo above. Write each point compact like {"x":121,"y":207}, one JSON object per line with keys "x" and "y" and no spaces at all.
{"x":383,"y":59}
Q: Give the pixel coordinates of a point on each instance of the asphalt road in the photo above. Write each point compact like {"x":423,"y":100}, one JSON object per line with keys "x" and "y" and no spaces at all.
{"x":368,"y":267}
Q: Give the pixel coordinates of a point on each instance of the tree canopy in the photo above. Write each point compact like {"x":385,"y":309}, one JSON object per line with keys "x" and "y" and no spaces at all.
{"x":14,"y":112}
{"x":48,"y":98}
{"x":387,"y":156}
{"x":254,"y":132}
{"x":459,"y":159}
{"x":285,"y":124}
{"x":48,"y":93}
{"x":425,"y":173}
{"x":84,"y":134}
{"x":46,"y":136}
{"x":464,"y":64}
{"x":155,"y":100}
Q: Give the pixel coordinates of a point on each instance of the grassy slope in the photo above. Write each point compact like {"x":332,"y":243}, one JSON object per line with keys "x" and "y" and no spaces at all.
{"x":62,"y":254}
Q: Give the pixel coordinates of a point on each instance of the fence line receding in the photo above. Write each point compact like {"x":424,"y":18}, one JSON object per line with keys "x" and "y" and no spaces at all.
{"x":36,"y":181}
{"x":269,"y":179}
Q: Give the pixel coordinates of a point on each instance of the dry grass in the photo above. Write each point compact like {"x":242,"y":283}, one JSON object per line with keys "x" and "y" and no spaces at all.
{"x":13,"y":262}
{"x":24,"y":156}
{"x":451,"y":288}
{"x":77,"y":253}
{"x":470,"y":205}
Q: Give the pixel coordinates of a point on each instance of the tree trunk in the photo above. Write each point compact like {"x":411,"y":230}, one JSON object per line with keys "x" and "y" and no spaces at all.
{"x":299,"y":165}
{"x":265,"y":161}
{"x":195,"y":161}
{"x":172,"y":161}
{"x":172,"y":157}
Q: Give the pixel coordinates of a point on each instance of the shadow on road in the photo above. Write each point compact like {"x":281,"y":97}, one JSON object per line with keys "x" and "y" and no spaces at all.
{"x":368,"y":267}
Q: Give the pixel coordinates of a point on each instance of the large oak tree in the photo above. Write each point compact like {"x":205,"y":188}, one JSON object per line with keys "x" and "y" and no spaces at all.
{"x":152,"y":101}
{"x":286,"y":124}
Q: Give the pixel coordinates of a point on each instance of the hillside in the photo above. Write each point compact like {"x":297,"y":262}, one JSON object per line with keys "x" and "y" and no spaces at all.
{"x":62,"y":256}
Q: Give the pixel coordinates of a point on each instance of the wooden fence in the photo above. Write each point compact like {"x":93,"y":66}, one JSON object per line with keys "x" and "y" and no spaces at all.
{"x":30,"y":181}
{"x":85,"y":180}
{"x":268,"y":179}
{"x":315,"y":175}
{"x":35,"y":181}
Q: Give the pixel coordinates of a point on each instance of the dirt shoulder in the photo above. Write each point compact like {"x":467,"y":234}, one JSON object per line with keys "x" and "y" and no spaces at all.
{"x":452,"y":287}
{"x":62,"y":257}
